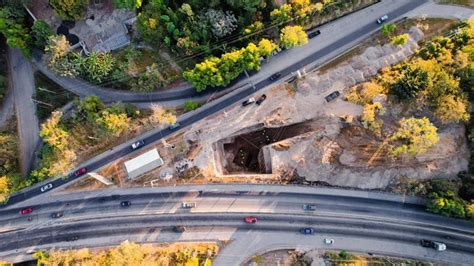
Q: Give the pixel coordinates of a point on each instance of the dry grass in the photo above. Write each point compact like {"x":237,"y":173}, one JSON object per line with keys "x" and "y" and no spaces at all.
{"x":468,"y":3}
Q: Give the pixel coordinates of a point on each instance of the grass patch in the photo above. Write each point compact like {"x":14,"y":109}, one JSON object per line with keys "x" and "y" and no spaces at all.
{"x":49,"y":96}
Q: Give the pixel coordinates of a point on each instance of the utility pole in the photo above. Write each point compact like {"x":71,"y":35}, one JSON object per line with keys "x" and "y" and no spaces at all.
{"x":248,"y":77}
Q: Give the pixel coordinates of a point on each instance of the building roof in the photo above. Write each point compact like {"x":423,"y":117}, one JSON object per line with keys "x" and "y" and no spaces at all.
{"x":143,"y":163}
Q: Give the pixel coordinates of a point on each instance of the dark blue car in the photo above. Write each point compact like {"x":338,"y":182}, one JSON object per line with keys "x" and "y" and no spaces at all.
{"x":307,"y":231}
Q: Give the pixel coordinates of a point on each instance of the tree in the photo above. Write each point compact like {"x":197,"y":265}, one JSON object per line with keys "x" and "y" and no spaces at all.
{"x":400,"y":40}
{"x":368,"y":117}
{"x":114,"y":123}
{"x":466,"y":78}
{"x":303,"y":8}
{"x":388,"y":29}
{"x":91,"y":107}
{"x":128,"y":4}
{"x":53,"y":133}
{"x":4,"y":188}
{"x":190,"y":105}
{"x":410,"y":83}
{"x":293,"y":36}
{"x":443,"y":84}
{"x":266,"y":47}
{"x":69,"y":9}
{"x":449,"y":206}
{"x":414,"y":136}
{"x":222,"y":23}
{"x":41,"y":32}
{"x":282,"y":15}
{"x":148,"y":81}
{"x":161,"y":116}
{"x":364,"y":93}
{"x":452,"y":109}
{"x":254,"y":27}
{"x":98,"y":66}
{"x":11,"y":26}
{"x":60,"y":59}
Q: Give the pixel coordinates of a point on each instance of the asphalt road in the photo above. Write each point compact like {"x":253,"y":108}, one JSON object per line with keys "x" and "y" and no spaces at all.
{"x":367,"y":218}
{"x":221,"y":104}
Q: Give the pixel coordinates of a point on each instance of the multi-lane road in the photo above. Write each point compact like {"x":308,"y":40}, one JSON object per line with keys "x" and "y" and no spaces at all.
{"x":355,"y":220}
{"x":394,"y":9}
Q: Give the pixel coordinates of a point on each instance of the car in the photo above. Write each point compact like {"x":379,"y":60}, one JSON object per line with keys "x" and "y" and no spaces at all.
{"x":138,"y":144}
{"x":55,"y":215}
{"x":432,"y":244}
{"x":382,"y":19}
{"x":275,"y":76}
{"x":309,"y":207}
{"x":125,"y":203}
{"x":328,"y":241}
{"x":248,"y":101}
{"x":179,"y":229}
{"x":80,"y":171}
{"x":188,"y":205}
{"x":174,"y":126}
{"x":26,"y":210}
{"x":314,"y":34}
{"x":261,"y":99}
{"x":250,"y":220}
{"x":333,"y":95}
{"x":46,"y":187}
{"x":72,"y":238}
{"x":307,"y":231}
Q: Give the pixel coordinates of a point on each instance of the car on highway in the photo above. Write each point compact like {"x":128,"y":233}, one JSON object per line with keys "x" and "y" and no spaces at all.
{"x":314,"y":34}
{"x":433,"y":244}
{"x":275,"y":76}
{"x":332,"y":96}
{"x":80,"y":171}
{"x":188,"y":205}
{"x":309,"y":207}
{"x":261,"y":99}
{"x":179,"y":229}
{"x":72,"y":238}
{"x":56,"y":215}
{"x":250,"y":220}
{"x":174,"y":126}
{"x":328,"y":241}
{"x":46,"y":187}
{"x":26,"y":210}
{"x":382,"y":19}
{"x":125,"y":203}
{"x":307,"y":231}
{"x":138,"y":144}
{"x":248,"y":101}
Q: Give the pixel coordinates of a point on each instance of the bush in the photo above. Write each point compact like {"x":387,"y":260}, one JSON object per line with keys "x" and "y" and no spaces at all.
{"x":68,"y":9}
{"x":411,"y":82}
{"x":41,"y":32}
{"x":190,"y":105}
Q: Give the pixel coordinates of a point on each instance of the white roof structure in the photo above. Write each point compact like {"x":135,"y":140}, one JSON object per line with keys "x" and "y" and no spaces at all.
{"x":143,"y":163}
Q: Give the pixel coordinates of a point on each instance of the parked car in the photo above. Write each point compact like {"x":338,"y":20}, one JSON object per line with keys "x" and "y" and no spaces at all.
{"x":261,"y":99}
{"x":174,"y":126}
{"x":432,"y":244}
{"x":332,"y":96}
{"x":55,"y":215}
{"x":328,"y":241}
{"x":314,"y":34}
{"x":46,"y":187}
{"x":179,"y":229}
{"x":382,"y":19}
{"x":188,"y":205}
{"x":275,"y":76}
{"x":138,"y":144}
{"x":248,"y":101}
{"x":307,"y":231}
{"x":125,"y":203}
{"x":80,"y":171}
{"x":26,"y":210}
{"x":309,"y":207}
{"x":250,"y":220}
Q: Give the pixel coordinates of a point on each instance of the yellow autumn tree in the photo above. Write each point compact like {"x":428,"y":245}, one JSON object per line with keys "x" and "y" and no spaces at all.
{"x":452,"y":109}
{"x":293,"y":36}
{"x":114,"y":123}
{"x":160,"y":115}
{"x":303,"y":8}
{"x":266,"y":47}
{"x":53,"y":133}
{"x":414,"y":136}
{"x":4,"y":188}
{"x":368,"y":117}
{"x":364,"y":93}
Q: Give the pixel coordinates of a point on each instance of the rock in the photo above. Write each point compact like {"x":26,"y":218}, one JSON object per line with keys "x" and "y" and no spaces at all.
{"x":380,"y":98}
{"x":416,"y":33}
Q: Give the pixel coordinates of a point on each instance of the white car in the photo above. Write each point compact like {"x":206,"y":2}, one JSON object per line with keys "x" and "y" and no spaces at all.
{"x":46,"y":187}
{"x":328,"y":241}
{"x":382,"y":19}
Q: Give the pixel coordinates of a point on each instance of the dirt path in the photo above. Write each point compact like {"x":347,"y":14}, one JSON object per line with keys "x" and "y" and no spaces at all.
{"x":23,"y":85}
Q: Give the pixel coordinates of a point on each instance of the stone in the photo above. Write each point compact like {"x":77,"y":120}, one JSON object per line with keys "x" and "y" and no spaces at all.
{"x":416,"y":33}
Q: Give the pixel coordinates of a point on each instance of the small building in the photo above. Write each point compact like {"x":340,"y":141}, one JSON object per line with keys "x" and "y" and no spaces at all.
{"x":143,"y":163}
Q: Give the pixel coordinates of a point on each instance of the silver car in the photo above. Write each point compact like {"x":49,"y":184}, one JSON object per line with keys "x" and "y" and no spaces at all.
{"x":46,"y":187}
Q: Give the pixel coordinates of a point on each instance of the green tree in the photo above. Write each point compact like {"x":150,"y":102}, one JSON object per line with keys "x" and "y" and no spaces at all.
{"x":190,"y":105}
{"x":128,"y":4}
{"x":466,"y":78}
{"x":410,"y":83}
{"x":293,"y":36}
{"x":41,"y":32}
{"x":400,"y":40}
{"x":414,"y":136}
{"x":443,"y":84}
{"x":148,"y":81}
{"x":450,"y":206}
{"x":53,"y":133}
{"x":452,"y":109}
{"x":60,"y":59}
{"x":69,"y":9}
{"x":91,"y":107}
{"x":388,"y":29}
{"x":11,"y":26}
{"x":97,"y":66}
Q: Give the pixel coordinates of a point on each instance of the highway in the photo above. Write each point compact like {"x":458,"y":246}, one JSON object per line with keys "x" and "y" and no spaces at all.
{"x":221,"y":104}
{"x":97,"y":219}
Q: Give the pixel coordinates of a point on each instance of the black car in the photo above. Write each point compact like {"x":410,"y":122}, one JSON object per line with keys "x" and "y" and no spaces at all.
{"x":275,"y":76}
{"x":125,"y":203}
{"x":261,"y":99}
{"x":55,"y":215}
{"x":179,"y":229}
{"x":332,"y":96}
{"x":314,"y":34}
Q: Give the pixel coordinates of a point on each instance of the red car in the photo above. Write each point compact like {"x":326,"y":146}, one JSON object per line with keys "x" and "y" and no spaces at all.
{"x":80,"y":171}
{"x":251,"y":220}
{"x":26,"y":211}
